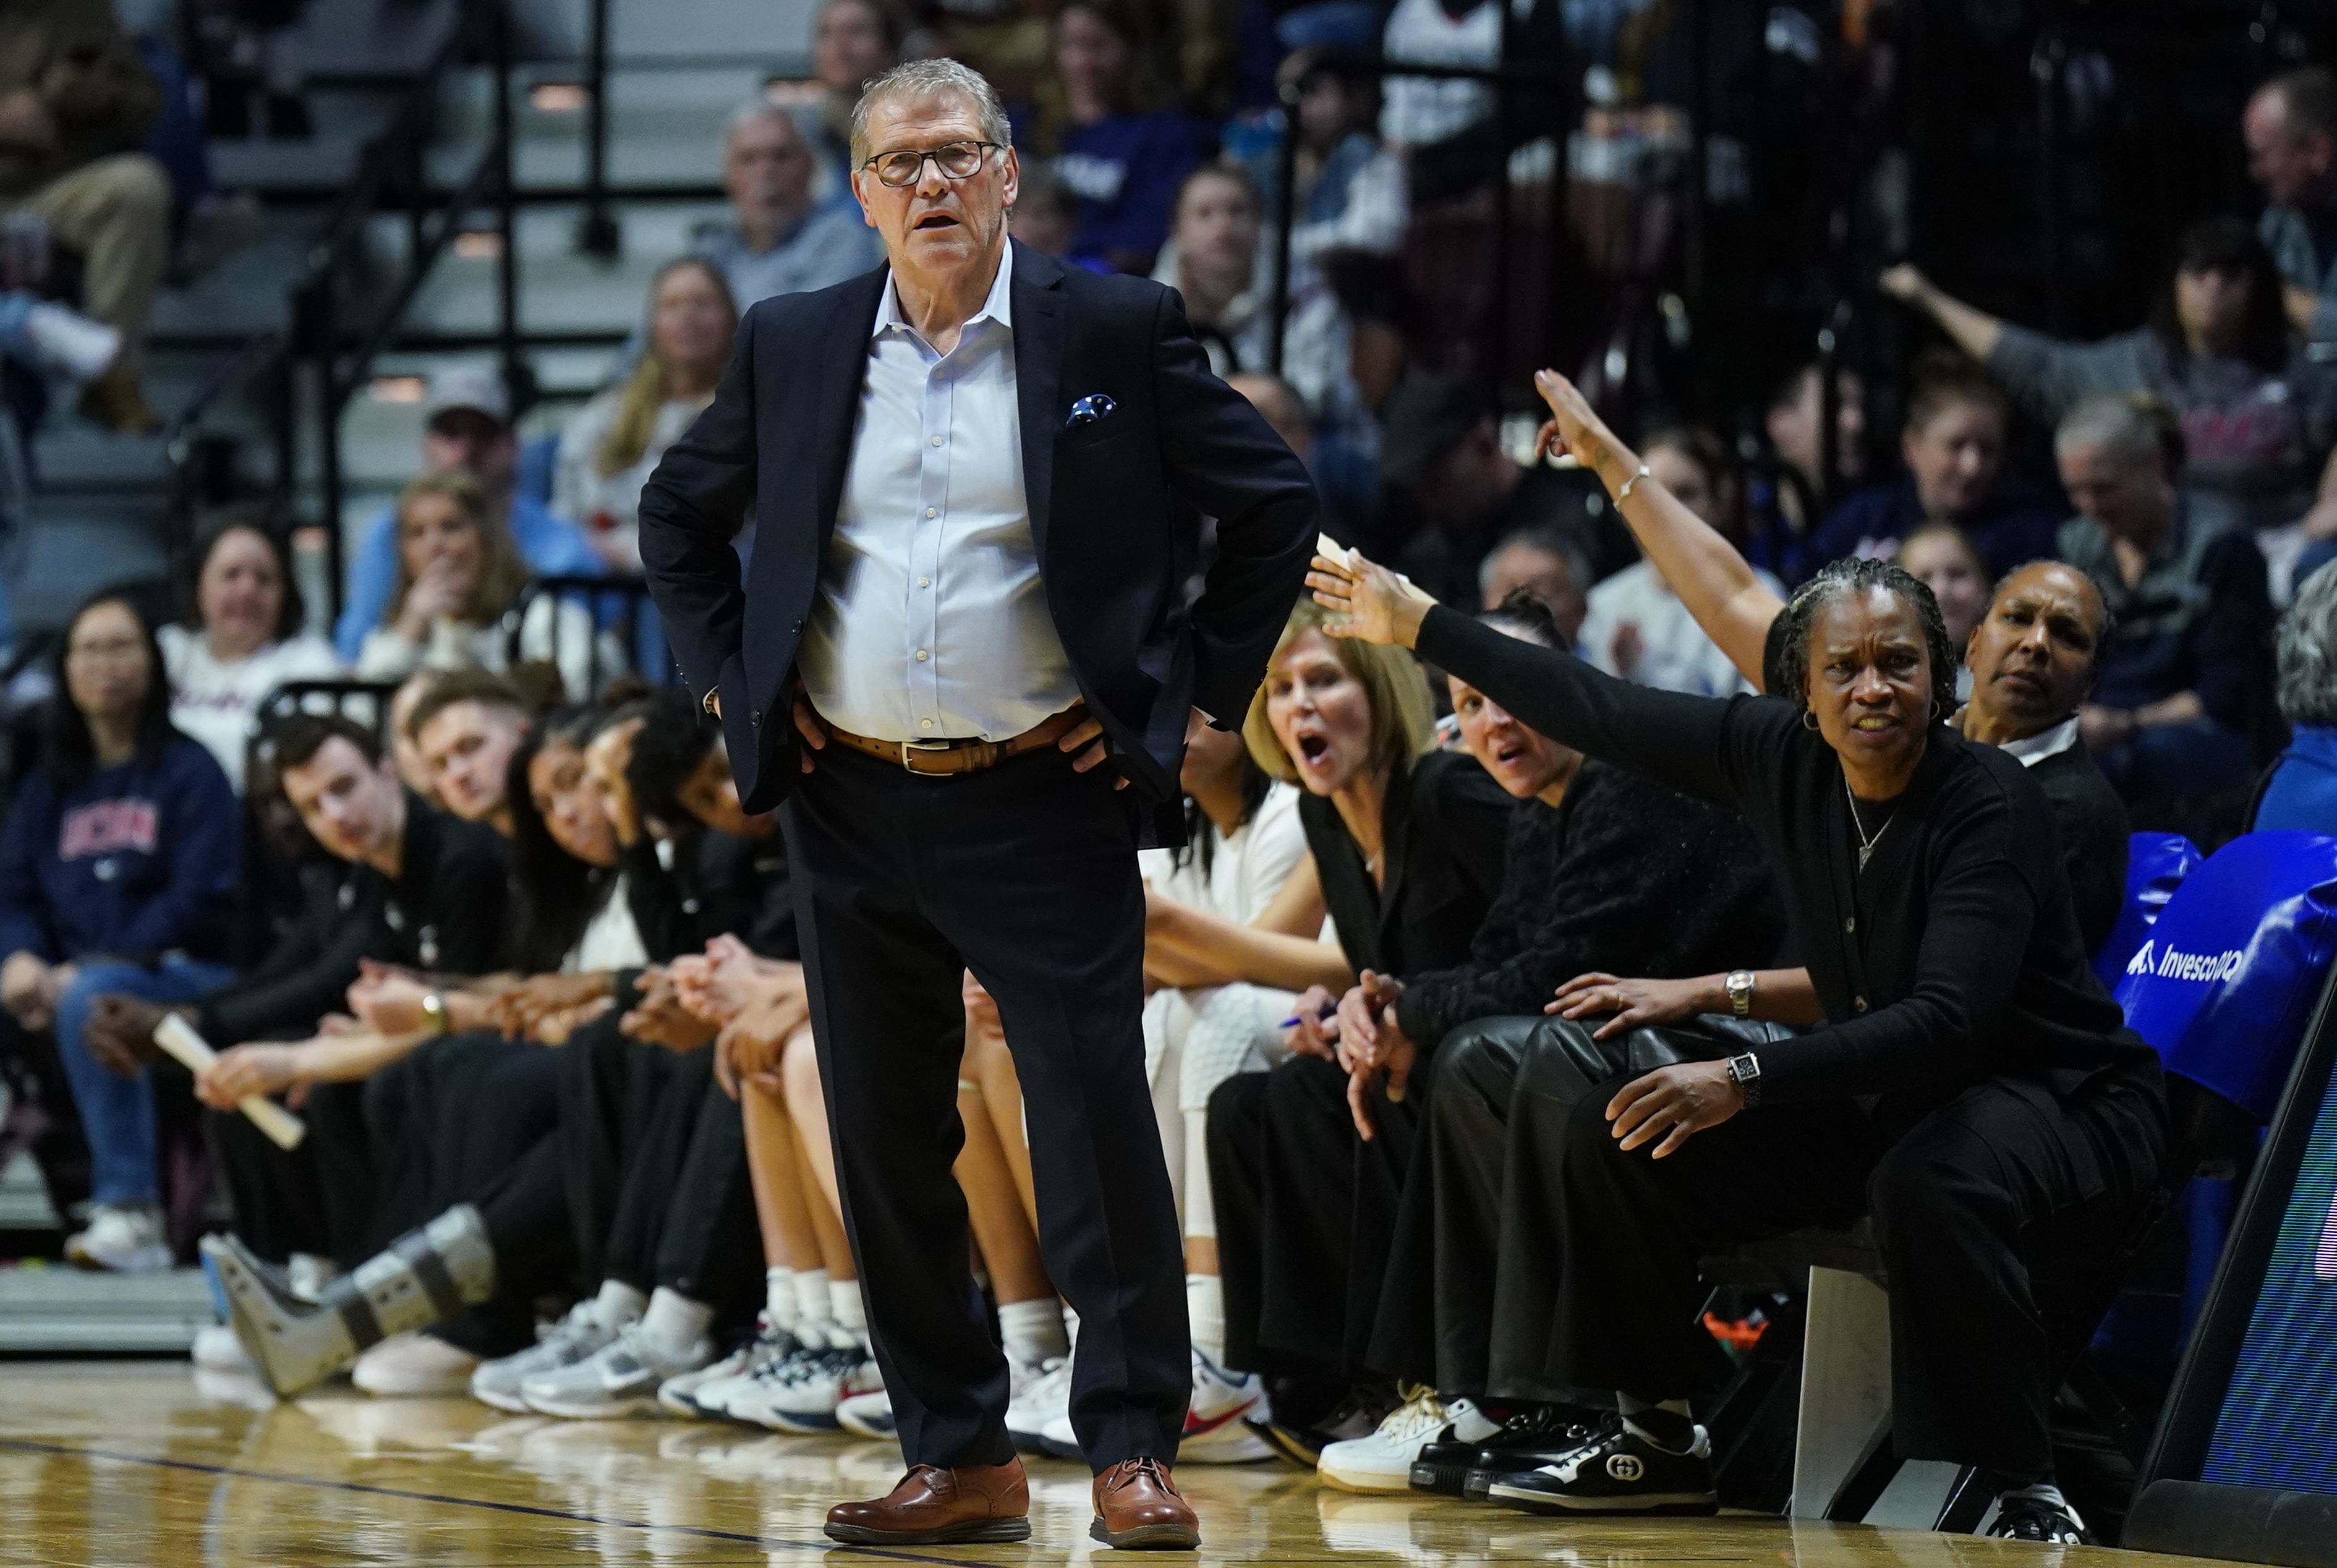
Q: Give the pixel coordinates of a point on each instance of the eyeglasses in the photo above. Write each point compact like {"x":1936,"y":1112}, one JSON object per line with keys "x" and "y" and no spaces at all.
{"x":956,"y":160}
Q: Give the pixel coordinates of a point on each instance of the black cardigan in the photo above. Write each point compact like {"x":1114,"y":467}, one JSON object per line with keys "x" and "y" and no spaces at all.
{"x":1443,"y":827}
{"x":2095,"y":836}
{"x":1952,"y":959}
{"x":1620,"y":876}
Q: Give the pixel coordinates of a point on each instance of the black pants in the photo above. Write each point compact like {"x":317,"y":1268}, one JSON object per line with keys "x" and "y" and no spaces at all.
{"x":1026,"y":875}
{"x":320,"y":1198}
{"x":1306,"y":1213}
{"x":1966,"y":1204}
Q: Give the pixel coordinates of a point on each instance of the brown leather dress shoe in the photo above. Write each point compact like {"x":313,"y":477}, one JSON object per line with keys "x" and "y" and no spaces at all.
{"x":932,"y":1505}
{"x":1138,"y":1508}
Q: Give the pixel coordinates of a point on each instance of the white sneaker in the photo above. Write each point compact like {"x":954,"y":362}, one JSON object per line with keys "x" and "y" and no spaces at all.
{"x":413,"y":1366}
{"x":306,"y":1275}
{"x":564,"y":1344}
{"x":683,"y":1395}
{"x":621,"y":1379}
{"x":801,"y":1393}
{"x":868,"y":1415}
{"x":1383,"y":1461}
{"x":1217,"y":1422}
{"x":217,"y":1349}
{"x":1040,"y":1403}
{"x":72,"y":343}
{"x":124,"y":1239}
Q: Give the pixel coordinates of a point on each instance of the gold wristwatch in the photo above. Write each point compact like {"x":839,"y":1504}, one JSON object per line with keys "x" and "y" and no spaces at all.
{"x":434,"y":1014}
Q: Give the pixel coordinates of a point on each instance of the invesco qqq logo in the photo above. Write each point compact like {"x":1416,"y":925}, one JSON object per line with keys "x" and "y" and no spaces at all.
{"x":2174,"y":964}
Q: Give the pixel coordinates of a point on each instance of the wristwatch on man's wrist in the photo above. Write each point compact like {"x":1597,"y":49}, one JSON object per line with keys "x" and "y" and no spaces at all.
{"x":1740,"y":987}
{"x":1744,"y":1071}
{"x":434,"y":1014}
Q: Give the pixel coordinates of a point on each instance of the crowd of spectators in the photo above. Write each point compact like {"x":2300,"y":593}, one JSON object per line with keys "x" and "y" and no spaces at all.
{"x":525,"y":854}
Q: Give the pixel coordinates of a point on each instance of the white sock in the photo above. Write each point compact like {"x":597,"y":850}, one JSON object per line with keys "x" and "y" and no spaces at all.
{"x":1204,"y":1305}
{"x":618,"y":1305}
{"x":845,"y":1307}
{"x":674,"y":1324}
{"x":779,"y":1298}
{"x":1033,"y":1330}
{"x":1070,"y":1326}
{"x":814,"y":1314}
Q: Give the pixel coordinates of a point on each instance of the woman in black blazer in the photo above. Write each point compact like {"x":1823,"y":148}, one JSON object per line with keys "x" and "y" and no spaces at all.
{"x":1407,"y":842}
{"x":1971,"y":1081}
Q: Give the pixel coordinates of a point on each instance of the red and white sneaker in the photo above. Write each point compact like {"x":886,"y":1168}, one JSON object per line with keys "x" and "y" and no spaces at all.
{"x":1217,"y":1422}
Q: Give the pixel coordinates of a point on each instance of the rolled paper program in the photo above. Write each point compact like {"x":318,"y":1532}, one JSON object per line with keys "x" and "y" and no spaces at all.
{"x":193,"y":1052}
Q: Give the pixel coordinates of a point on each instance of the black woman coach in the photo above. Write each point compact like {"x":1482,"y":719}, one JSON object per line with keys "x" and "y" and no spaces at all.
{"x":962,"y":657}
{"x":1971,"y":1083}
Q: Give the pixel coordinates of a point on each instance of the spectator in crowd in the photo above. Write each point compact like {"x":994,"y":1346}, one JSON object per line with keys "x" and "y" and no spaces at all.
{"x":1046,"y":212}
{"x":1788,"y":495}
{"x":1408,"y":844}
{"x":2300,"y":789}
{"x":1442,"y":452}
{"x":75,"y":101}
{"x":1214,"y":260}
{"x":2168,"y":718}
{"x":466,"y":428}
{"x":2030,"y":665}
{"x":246,"y":636}
{"x":1447,"y":127}
{"x":119,"y":866}
{"x":1953,"y":443}
{"x":853,"y":43}
{"x":459,"y":574}
{"x":1284,"y":409}
{"x":2291,"y":132}
{"x":465,"y":727}
{"x":1546,"y":563}
{"x":2258,"y":417}
{"x":1943,"y":558}
{"x":406,"y":756}
{"x":610,"y":448}
{"x":1637,"y":627}
{"x":778,"y":241}
{"x":1604,"y":873}
{"x":1351,"y":191}
{"x":1120,"y":146}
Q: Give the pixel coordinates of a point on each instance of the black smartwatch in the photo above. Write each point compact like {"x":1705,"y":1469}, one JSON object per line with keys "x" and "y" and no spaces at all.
{"x":1744,"y":1071}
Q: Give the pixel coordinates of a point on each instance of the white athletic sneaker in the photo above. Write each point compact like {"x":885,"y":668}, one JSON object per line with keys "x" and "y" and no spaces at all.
{"x":412,"y":1366}
{"x":562,"y":1343}
{"x":801,"y":1393}
{"x":1040,"y":1402}
{"x":65,"y":340}
{"x":217,"y":1349}
{"x":124,"y":1239}
{"x":621,"y":1379}
{"x":1217,"y":1430}
{"x":682,"y":1396}
{"x":1383,"y":1461}
{"x":868,"y":1415}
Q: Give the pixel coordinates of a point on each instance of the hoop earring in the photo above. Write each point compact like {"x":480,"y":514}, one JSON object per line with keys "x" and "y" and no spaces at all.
{"x":1809,"y":720}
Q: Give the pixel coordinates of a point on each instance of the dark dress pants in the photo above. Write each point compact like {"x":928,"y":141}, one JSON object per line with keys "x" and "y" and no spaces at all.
{"x":684,"y":1215}
{"x":319,"y":1198}
{"x":1306,"y":1213}
{"x":1026,"y":874}
{"x":1966,"y":1204}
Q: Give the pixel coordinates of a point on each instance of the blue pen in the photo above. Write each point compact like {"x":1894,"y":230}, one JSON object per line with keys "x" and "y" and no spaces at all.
{"x":1294,"y":1021}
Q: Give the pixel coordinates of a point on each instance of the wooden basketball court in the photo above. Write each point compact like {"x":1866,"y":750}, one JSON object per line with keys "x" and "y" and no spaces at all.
{"x":139,"y":1463}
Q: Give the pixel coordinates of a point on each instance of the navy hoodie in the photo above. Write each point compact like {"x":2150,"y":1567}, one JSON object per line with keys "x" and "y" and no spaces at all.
{"x":133,"y":862}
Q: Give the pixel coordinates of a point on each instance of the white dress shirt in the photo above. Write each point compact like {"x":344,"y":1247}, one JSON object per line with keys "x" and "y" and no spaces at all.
{"x":932,"y":623}
{"x":2034,"y":748}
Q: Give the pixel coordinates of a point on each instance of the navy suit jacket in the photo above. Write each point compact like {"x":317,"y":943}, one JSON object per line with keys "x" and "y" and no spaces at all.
{"x":1116,"y":508}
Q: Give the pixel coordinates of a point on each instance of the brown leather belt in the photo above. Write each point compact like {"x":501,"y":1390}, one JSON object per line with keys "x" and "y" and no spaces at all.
{"x":946,"y":759}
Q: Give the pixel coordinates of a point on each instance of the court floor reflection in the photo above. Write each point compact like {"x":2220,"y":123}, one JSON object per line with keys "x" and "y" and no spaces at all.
{"x":136,"y":1464}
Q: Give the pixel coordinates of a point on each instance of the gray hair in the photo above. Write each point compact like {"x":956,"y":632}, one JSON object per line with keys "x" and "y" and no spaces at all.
{"x":2307,"y":658}
{"x":2130,"y":427}
{"x":755,"y":112}
{"x":1545,"y":540}
{"x":926,"y":79}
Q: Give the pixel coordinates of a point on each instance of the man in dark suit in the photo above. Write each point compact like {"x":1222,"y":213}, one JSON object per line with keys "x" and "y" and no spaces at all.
{"x":963,"y":660}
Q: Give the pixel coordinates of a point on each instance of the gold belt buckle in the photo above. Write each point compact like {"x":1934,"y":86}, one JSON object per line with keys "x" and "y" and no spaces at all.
{"x":909,"y":748}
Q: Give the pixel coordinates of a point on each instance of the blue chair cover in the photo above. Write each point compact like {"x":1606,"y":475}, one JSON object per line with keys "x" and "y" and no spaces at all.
{"x":2156,"y":864}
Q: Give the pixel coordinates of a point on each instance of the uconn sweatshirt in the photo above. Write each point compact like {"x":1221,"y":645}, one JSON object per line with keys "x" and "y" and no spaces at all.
{"x":133,"y":862}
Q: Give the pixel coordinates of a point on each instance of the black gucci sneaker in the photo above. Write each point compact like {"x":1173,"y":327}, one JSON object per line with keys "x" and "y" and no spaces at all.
{"x":1622,"y":1473}
{"x":2034,"y":1519}
{"x":1534,"y":1435}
